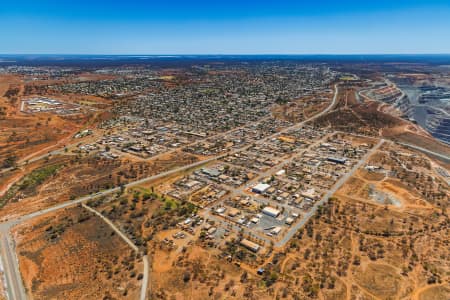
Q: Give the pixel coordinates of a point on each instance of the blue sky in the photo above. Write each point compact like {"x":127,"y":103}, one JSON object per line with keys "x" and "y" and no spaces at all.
{"x":224,"y":27}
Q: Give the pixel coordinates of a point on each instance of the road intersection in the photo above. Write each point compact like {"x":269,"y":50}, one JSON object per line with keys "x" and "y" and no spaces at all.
{"x":15,"y":287}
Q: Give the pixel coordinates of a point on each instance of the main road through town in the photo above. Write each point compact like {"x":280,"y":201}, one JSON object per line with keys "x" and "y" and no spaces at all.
{"x":327,"y":196}
{"x":14,"y":284}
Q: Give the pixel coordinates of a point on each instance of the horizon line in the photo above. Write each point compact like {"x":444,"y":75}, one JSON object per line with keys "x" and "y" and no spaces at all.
{"x":225,"y":54}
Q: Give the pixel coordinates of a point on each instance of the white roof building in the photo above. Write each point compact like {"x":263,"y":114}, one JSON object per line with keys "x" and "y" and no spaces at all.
{"x":260,"y":188}
{"x":270,"y":211}
{"x":281,"y":172}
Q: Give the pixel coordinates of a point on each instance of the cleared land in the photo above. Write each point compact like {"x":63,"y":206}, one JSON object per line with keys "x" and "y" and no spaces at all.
{"x":73,"y":254}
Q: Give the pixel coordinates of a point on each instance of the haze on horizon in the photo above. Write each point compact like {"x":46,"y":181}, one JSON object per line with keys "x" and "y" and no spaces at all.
{"x":225,"y":27}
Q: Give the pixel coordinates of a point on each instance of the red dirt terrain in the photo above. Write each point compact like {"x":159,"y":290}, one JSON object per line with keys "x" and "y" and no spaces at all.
{"x":375,"y":119}
{"x":73,"y":254}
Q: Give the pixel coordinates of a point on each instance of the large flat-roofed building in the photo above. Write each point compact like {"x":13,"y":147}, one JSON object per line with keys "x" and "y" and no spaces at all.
{"x":276,"y":230}
{"x":211,"y":172}
{"x":337,"y":160}
{"x":191,"y":184}
{"x":270,"y":211}
{"x":250,"y":245}
{"x":260,"y":188}
{"x":289,"y":220}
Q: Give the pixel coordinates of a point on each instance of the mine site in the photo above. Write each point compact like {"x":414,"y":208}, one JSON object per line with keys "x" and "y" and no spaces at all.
{"x":268,"y":179}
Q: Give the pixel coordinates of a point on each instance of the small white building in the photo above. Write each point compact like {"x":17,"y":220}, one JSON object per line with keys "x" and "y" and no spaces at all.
{"x":221,"y":210}
{"x":289,"y":220}
{"x":280,"y":173}
{"x":270,"y":211}
{"x":260,"y":188}
{"x":276,"y":230}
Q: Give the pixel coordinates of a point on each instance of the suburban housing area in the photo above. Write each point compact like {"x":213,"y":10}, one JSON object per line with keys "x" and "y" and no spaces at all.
{"x":224,"y":178}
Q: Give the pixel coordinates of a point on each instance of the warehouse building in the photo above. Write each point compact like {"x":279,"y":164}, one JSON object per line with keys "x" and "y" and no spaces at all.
{"x":270,"y":211}
{"x":260,"y":188}
{"x":337,"y":160}
{"x":250,"y":245}
{"x":289,"y":220}
{"x":210,"y":172}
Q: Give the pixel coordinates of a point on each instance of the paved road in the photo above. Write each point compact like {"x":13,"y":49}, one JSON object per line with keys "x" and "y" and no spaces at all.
{"x":15,"y":284}
{"x":426,"y":151}
{"x":323,"y":112}
{"x":294,"y":229}
{"x":15,"y":289}
{"x":14,"y":281}
{"x":327,"y":196}
{"x":267,"y":201}
{"x":44,"y":211}
{"x":32,"y":158}
{"x":207,"y":212}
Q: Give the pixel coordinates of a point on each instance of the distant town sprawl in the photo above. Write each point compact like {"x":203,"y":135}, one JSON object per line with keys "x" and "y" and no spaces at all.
{"x":296,"y":179}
